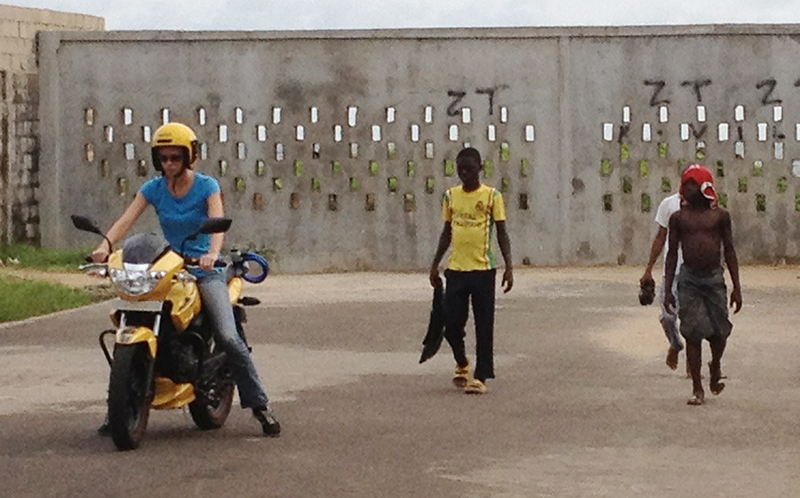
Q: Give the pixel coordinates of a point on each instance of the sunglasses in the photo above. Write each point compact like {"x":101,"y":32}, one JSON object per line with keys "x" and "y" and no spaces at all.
{"x":176,"y":158}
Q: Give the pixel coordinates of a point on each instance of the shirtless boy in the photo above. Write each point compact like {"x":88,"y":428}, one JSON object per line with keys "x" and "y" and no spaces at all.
{"x":702,"y":230}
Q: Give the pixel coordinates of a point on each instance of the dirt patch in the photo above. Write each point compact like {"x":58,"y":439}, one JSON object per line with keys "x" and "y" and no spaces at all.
{"x":79,"y":280}
{"x":100,"y":288}
{"x":298,"y":290}
{"x":754,"y":276}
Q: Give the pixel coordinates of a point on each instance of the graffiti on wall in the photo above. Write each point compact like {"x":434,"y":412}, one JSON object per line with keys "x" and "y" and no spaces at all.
{"x":732,"y":132}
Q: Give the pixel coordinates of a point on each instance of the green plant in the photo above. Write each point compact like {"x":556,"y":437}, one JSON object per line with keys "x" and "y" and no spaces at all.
{"x":43,"y":258}
{"x":605,"y":167}
{"x":647,"y":203}
{"x":627,"y":185}
{"x":23,"y":298}
{"x":644,"y":168}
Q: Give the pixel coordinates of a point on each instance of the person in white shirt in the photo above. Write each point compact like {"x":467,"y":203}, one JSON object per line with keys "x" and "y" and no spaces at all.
{"x":669,"y":321}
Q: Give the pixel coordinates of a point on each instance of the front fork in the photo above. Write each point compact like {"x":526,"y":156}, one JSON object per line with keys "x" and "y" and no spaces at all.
{"x":103,"y":346}
{"x":149,"y":387}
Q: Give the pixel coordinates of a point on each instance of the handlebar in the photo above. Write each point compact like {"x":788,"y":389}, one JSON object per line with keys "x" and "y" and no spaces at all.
{"x":195,"y":262}
{"x":188,"y":261}
{"x":92,"y":265}
{"x":89,"y":259}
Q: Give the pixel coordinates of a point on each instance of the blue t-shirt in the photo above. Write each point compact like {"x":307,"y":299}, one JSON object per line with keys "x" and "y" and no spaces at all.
{"x":179,"y":217}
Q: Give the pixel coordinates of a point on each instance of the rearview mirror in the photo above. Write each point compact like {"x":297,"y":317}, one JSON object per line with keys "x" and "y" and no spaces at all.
{"x":85,"y":224}
{"x":211,"y":225}
{"x":215,"y":225}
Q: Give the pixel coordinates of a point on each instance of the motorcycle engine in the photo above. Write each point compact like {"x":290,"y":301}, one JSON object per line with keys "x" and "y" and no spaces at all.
{"x":184,"y":362}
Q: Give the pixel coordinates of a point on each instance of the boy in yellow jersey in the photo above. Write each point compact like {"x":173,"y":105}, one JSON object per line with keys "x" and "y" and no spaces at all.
{"x":471,"y":212}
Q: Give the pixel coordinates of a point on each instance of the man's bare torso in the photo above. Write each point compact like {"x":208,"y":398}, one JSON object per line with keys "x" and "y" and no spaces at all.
{"x":701,"y":232}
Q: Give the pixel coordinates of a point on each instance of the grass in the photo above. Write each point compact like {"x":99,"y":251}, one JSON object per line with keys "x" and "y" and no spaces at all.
{"x":21,"y":298}
{"x":43,"y":259}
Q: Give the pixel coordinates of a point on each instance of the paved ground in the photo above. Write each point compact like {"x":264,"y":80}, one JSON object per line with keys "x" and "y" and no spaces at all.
{"x":583,"y":404}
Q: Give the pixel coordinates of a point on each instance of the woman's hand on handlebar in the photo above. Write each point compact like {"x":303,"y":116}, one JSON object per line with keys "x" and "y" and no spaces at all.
{"x":207,"y":260}
{"x":99,"y":256}
{"x":100,"y":253}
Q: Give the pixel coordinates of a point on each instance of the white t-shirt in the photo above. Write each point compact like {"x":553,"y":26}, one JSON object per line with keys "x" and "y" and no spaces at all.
{"x":669,"y":206}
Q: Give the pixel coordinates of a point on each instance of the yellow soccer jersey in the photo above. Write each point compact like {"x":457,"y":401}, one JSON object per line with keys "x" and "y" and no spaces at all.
{"x":472,"y":216}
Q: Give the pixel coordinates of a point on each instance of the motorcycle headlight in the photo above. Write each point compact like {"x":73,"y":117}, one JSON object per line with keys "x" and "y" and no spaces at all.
{"x":136,"y":280}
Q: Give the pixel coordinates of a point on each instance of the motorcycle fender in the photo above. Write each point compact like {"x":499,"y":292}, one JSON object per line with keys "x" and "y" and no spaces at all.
{"x":118,"y":305}
{"x":135,"y":335}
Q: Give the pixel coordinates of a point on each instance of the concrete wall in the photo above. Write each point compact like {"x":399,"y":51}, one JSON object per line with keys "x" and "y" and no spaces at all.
{"x":19,"y":115}
{"x":560,"y":115}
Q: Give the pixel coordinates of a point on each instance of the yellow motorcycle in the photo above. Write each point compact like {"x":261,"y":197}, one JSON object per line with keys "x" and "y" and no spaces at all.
{"x":164,"y":353}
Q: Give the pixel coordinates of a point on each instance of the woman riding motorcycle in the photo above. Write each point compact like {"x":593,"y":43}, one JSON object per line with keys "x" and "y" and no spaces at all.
{"x":183,"y":200}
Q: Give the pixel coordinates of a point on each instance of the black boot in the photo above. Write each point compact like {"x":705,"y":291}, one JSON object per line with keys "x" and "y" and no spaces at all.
{"x":269,"y":424}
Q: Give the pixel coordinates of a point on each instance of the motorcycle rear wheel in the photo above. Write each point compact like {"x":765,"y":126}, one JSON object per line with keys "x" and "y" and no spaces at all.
{"x":208,"y":414}
{"x":129,"y":395}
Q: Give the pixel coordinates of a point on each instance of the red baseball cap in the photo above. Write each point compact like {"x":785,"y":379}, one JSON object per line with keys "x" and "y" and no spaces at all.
{"x":703,"y":177}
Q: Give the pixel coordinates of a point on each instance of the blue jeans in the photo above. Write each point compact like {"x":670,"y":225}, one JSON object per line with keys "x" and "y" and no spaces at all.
{"x":669,"y":322}
{"x":214,"y":292}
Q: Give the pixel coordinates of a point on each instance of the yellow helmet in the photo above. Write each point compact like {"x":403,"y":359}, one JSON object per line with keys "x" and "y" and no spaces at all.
{"x":174,"y":135}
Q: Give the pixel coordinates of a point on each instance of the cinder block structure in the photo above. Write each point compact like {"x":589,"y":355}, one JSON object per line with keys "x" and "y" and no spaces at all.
{"x":334,"y":148}
{"x":19,"y":115}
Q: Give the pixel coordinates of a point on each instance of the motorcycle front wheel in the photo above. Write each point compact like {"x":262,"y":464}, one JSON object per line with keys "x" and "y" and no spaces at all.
{"x":129,"y":395}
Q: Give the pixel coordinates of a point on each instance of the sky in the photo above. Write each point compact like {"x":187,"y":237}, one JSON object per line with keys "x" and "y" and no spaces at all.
{"x":379,"y":14}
